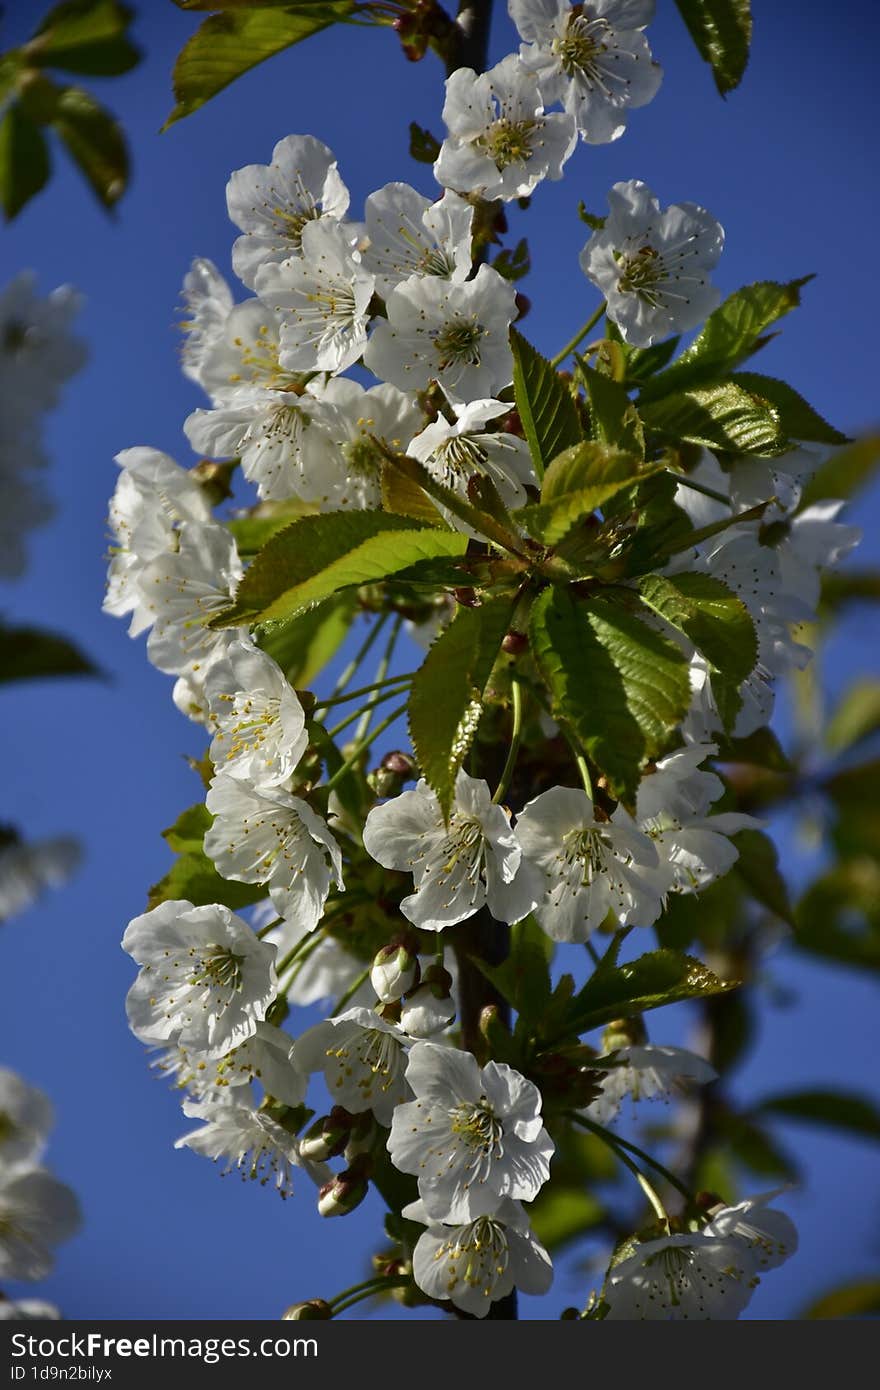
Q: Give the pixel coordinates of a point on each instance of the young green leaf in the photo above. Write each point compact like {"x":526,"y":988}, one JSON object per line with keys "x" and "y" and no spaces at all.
{"x":305,"y":645}
{"x":858,"y":1299}
{"x":423,"y":146}
{"x":29,"y":653}
{"x":722,"y":32}
{"x":230,"y":44}
{"x":95,"y":142}
{"x":731,"y":333}
{"x":613,"y":416}
{"x":650,"y":982}
{"x":716,"y":621}
{"x":302,"y":550}
{"x":546,"y":407}
{"x":24,"y":160}
{"x":192,"y":876}
{"x":796,"y":417}
{"x":578,"y":481}
{"x":836,"y":1109}
{"x":758,"y":867}
{"x":843,"y":474}
{"x":725,"y":416}
{"x":87,"y":37}
{"x":446,"y":699}
{"x":617,"y":684}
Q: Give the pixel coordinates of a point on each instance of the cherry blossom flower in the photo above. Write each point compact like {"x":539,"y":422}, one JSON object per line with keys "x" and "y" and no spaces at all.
{"x":183,"y":589}
{"x":646,"y":1072}
{"x":589,"y":867}
{"x":267,"y":836}
{"x":592,"y":57}
{"x":28,"y":869}
{"x":408,"y":235}
{"x":476,"y":1264}
{"x":37,"y":1212}
{"x":25,"y":1119}
{"x":652,"y":266}
{"x":362,"y":1059}
{"x":251,"y":1142}
{"x":205,"y":981}
{"x":272,"y":203}
{"x":456,"y":452}
{"x":473,"y":861}
{"x":501,"y":142}
{"x":470,"y":1136}
{"x":259,"y":723}
{"x":455,"y":334}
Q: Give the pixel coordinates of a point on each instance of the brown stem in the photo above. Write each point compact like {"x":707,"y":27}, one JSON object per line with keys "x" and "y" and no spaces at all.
{"x":472,"y":48}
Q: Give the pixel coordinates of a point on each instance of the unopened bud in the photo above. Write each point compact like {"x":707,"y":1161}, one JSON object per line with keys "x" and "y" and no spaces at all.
{"x":494,"y":1029}
{"x":317,"y":1309}
{"x":395,"y":769}
{"x":511,"y":423}
{"x":327,"y":1137}
{"x":430,"y":1008}
{"x":215,"y":478}
{"x":514,"y":642}
{"x":624,"y":1032}
{"x":343,"y":1194}
{"x":395,"y":971}
{"x":362,"y":1137}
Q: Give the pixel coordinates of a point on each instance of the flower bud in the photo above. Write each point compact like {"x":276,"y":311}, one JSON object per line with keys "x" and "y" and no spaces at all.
{"x":624,"y":1032}
{"x":395,"y":971}
{"x":316,"y":1309}
{"x":430,"y":1008}
{"x":514,"y":642}
{"x":388,"y":778}
{"x":327,"y":1137}
{"x":343,"y":1194}
{"x":361,"y":1138}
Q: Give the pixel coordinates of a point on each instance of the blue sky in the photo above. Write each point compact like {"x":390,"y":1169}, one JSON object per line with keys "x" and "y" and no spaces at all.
{"x":781,"y":164}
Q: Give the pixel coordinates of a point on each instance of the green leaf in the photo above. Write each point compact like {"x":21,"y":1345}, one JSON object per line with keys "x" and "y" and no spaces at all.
{"x":514,"y":264}
{"x":29,"y":653}
{"x":446,"y":699}
{"x":796,"y":417}
{"x":844,"y":473}
{"x":856,"y":717}
{"x":651,"y":982}
{"x":187,"y":833}
{"x":373,"y":560}
{"x":850,"y":586}
{"x":405,"y":496}
{"x":24,"y":160}
{"x":613,"y":416}
{"x":95,"y":141}
{"x":305,"y":645}
{"x":302,"y":551}
{"x":546,"y":407}
{"x":475,"y":516}
{"x":86,"y":37}
{"x":725,"y":417}
{"x":758,"y":867}
{"x":252,"y":532}
{"x":716,"y":621}
{"x":591,"y":219}
{"x":617,"y":684}
{"x":578,"y":481}
{"x":838,"y":918}
{"x":722,"y":32}
{"x":837,"y":1109}
{"x":731,"y":333}
{"x":859,"y":1299}
{"x":423,"y":146}
{"x":228,"y":45}
{"x":642,"y":363}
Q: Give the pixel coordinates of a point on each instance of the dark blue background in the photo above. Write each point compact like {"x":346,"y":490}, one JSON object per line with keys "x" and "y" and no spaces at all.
{"x":784,"y":164}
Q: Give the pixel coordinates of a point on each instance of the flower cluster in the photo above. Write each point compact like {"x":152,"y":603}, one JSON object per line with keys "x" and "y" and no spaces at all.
{"x":37,"y":1212}
{"x":373,"y":895}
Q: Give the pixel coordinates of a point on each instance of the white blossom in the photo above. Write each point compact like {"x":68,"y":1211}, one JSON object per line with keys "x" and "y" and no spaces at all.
{"x":646,"y":1072}
{"x":362,"y":1059}
{"x":272,"y":203}
{"x":769,"y":1234}
{"x":672,"y":805}
{"x":152,"y":499}
{"x":589,"y":867}
{"x":27,"y":1310}
{"x":250,"y":1141}
{"x":351,"y":420}
{"x":229,"y":353}
{"x":501,"y":142}
{"x":38,"y":352}
{"x":322,"y":298}
{"x":205,"y":981}
{"x":28,"y":869}
{"x":37,"y":1212}
{"x":677,"y":1278}
{"x":456,"y":334}
{"x":265,"y":1057}
{"x":592,"y":57}
{"x":425,"y":1012}
{"x":473,"y":861}
{"x":471,"y":1136}
{"x":456,"y":452}
{"x":408,"y":234}
{"x":476,"y":1264}
{"x":182,"y":591}
{"x":208,"y":303}
{"x":273,"y":838}
{"x":25,"y":1119}
{"x":652,"y":266}
{"x":259,"y":723}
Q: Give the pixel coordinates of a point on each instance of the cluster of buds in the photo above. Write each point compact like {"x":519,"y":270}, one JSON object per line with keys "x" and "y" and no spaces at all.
{"x":425,"y":21}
